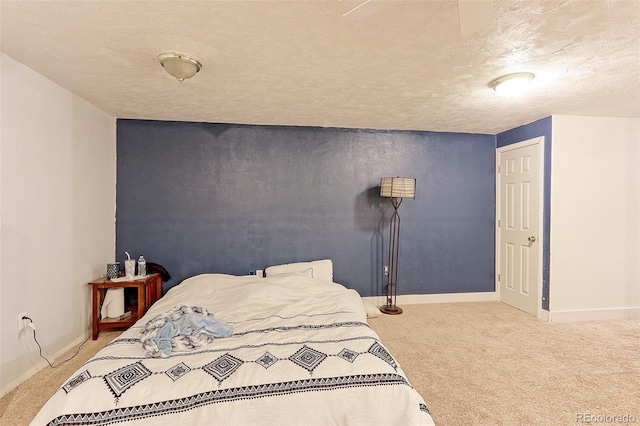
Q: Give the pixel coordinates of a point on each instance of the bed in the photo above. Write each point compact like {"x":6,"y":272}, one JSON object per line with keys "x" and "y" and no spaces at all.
{"x":300,"y":352}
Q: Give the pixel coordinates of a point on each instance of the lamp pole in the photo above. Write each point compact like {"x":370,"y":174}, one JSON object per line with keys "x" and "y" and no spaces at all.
{"x":395,"y":188}
{"x":394,"y":255}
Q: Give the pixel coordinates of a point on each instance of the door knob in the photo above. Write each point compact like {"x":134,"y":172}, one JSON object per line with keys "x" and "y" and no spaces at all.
{"x":532,"y":239}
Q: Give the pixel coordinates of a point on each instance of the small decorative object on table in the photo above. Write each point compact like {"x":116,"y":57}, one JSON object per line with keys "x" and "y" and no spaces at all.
{"x":113,"y":269}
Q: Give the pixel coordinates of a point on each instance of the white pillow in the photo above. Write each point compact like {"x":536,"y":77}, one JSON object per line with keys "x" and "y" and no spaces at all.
{"x":371,"y":309}
{"x":321,"y":269}
{"x":306,"y":273}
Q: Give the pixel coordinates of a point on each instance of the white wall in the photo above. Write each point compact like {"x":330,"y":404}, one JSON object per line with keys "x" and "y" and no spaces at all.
{"x":595,"y":218}
{"x":58,"y":172}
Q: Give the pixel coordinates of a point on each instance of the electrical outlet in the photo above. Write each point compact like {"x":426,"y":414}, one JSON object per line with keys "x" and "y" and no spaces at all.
{"x":22,"y":323}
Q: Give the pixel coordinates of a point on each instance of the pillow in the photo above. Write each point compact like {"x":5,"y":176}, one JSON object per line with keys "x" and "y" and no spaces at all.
{"x":306,"y":273}
{"x":321,"y":269}
{"x":371,"y":309}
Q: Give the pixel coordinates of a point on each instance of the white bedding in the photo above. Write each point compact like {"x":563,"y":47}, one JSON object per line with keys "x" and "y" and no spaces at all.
{"x":301,"y":353}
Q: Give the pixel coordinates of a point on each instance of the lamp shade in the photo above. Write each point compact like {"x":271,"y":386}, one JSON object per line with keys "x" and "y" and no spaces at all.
{"x":397,"y":187}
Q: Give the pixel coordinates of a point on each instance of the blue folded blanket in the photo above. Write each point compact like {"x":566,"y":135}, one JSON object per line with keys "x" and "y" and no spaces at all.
{"x":182,"y":329}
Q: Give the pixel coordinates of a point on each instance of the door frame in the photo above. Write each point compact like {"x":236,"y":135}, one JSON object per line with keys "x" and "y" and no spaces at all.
{"x":540,"y":142}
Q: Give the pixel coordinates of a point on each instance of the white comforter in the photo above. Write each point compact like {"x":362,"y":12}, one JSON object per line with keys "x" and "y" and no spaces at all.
{"x":301,"y":353}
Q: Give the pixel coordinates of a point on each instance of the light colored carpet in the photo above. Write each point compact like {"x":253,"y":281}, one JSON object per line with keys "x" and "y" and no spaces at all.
{"x":21,"y":405}
{"x":474,"y":364}
{"x":490,"y":364}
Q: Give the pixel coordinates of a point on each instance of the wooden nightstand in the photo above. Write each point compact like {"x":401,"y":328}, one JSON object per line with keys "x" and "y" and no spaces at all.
{"x":149,"y":290}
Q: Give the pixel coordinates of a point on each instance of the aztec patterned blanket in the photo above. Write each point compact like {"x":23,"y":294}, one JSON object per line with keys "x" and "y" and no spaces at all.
{"x":301,"y":352}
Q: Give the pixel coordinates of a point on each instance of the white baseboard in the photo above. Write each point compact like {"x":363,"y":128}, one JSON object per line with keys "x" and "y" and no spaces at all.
{"x":415,"y":299}
{"x":594,"y":314}
{"x":41,"y":365}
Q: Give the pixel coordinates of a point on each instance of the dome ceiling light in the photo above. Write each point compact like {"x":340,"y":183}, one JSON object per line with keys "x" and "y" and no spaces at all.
{"x":180,"y":65}
{"x":512,"y":84}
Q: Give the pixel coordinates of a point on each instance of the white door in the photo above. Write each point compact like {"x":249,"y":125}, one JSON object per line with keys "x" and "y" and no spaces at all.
{"x":519,"y":223}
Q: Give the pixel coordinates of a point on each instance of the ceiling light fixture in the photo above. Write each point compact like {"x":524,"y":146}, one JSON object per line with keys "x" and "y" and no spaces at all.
{"x":180,"y":65}
{"x":512,"y":84}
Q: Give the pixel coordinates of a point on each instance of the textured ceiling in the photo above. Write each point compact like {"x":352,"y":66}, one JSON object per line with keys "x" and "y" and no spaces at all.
{"x":390,"y":65}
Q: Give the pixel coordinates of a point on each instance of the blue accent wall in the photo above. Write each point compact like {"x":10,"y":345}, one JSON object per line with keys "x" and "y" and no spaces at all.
{"x":533,"y":130}
{"x":203,"y":197}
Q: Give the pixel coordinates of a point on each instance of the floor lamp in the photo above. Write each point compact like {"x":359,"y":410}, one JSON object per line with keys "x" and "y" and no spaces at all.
{"x":395,"y":188}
